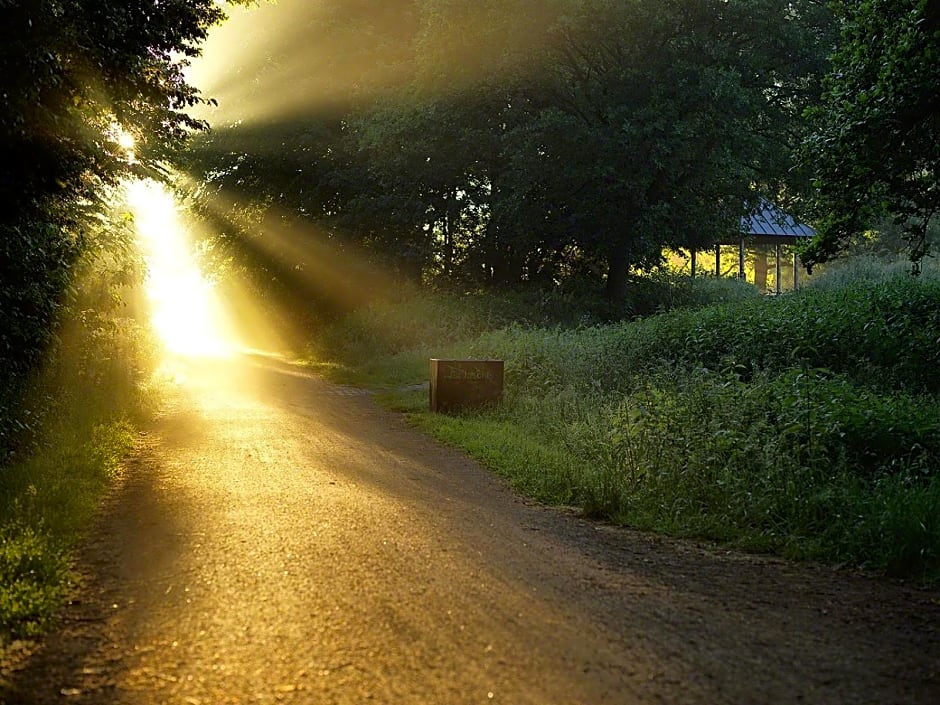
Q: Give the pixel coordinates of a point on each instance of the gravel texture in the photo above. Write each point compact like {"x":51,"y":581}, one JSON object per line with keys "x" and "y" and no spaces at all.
{"x":277,"y":539}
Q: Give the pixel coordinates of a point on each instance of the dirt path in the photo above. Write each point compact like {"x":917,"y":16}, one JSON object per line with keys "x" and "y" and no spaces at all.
{"x":278,"y":539}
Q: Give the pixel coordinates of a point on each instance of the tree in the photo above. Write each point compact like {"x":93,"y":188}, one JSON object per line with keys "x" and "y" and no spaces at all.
{"x":524,"y":141}
{"x":78,"y":78}
{"x":876,"y":145}
{"x":660,"y":118}
{"x":303,"y":156}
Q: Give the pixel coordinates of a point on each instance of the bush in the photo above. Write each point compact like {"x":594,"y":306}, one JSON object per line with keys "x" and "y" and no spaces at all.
{"x":412,"y":319}
{"x":871,"y":270}
{"x":663,"y":291}
{"x":33,"y":575}
{"x":882,"y":335}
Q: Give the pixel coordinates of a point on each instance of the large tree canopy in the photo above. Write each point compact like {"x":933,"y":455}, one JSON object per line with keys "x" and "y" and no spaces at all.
{"x":877,"y":146}
{"x":658,"y":120}
{"x":76,"y":75}
{"x":526,"y":141}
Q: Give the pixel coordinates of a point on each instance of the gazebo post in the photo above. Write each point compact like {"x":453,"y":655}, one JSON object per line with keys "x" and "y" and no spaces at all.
{"x":741,"y":274}
{"x":693,"y":252}
{"x":717,"y":261}
{"x":796,"y":270}
{"x":778,"y":268}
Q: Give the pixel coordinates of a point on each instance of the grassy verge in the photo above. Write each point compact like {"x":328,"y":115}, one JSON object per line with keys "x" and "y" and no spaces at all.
{"x":45,"y":512}
{"x":85,"y":405}
{"x":806,"y":425}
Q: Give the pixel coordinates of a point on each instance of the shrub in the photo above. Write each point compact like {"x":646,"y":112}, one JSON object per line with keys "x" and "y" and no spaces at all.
{"x":33,"y":575}
{"x":78,"y":409}
{"x":792,"y":463}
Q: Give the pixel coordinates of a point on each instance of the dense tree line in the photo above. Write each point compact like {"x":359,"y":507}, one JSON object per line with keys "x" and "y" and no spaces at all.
{"x":527,"y":142}
{"x":497,"y":143}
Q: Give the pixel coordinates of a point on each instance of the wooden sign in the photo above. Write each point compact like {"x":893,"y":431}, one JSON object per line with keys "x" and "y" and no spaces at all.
{"x":465,"y":384}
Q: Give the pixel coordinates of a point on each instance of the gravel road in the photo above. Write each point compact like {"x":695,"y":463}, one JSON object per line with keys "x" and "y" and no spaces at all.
{"x":277,"y":539}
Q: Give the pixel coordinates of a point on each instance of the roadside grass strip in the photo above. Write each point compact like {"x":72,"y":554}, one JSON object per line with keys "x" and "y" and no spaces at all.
{"x":46,"y":503}
{"x":87,"y":402}
{"x":807,"y":425}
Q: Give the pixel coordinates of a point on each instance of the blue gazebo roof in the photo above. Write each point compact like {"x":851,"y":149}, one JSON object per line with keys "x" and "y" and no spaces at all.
{"x":770,"y":226}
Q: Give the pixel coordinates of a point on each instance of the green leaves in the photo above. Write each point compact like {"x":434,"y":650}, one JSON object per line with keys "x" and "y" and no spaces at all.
{"x":73,"y":75}
{"x":531,"y":142}
{"x":33,"y":576}
{"x":876,"y":146}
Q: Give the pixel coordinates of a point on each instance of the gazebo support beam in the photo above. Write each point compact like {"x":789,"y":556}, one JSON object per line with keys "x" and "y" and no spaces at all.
{"x":777,"y":264}
{"x":741,"y":274}
{"x":693,"y":254}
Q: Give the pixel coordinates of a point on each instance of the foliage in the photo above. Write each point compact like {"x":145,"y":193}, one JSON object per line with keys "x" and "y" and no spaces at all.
{"x":661,"y":291}
{"x":691,"y":452}
{"x":852,"y":331}
{"x":77,"y":73}
{"x":80,"y":409}
{"x":413,"y":318}
{"x":875,"y":148}
{"x":44,"y":512}
{"x":648,"y":135}
{"x":871,"y":270}
{"x":76,"y":364}
{"x":33,"y":575}
{"x":558,"y":141}
{"x":796,"y":462}
{"x":535,"y":464}
{"x":76,"y":78}
{"x":93,"y":292}
{"x":805,"y":424}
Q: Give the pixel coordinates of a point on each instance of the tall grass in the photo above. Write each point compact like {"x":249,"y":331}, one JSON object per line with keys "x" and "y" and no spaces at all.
{"x":797,"y":463}
{"x":806,"y":424}
{"x":389,"y":340}
{"x":880,"y":334}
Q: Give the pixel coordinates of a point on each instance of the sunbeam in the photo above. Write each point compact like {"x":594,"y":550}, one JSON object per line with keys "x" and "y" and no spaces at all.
{"x":186,"y":310}
{"x":275,"y":62}
{"x":314,"y":271}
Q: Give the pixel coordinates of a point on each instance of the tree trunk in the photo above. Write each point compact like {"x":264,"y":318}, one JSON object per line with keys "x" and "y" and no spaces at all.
{"x":616,"y":287}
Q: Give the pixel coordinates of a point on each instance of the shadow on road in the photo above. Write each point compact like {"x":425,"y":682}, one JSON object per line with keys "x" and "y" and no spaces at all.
{"x":272,"y":519}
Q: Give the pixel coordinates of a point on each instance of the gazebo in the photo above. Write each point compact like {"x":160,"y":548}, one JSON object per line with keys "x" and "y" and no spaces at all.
{"x":767,"y":226}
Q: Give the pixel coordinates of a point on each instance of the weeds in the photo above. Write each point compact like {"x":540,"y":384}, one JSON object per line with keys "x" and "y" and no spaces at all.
{"x":806,"y":424}
{"x":33,"y":574}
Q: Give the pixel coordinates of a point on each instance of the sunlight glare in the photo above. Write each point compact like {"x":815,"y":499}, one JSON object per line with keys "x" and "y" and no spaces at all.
{"x":125,"y":140}
{"x":185,"y":308}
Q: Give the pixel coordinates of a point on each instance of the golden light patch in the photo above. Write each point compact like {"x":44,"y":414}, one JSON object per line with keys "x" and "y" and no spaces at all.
{"x":186,"y":310}
{"x":123,"y":139}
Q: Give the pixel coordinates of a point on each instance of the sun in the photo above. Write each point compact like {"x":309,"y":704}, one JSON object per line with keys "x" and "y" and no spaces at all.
{"x":186,"y":310}
{"x":125,"y":140}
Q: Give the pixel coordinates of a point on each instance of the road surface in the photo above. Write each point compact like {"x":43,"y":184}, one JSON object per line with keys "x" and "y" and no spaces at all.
{"x":278,"y":539}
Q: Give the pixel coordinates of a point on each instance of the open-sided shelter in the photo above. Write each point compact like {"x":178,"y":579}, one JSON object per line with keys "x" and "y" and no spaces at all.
{"x":767,"y":226}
